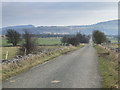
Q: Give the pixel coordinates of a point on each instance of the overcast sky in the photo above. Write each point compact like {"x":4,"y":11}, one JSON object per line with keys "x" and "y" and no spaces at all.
{"x":57,"y":13}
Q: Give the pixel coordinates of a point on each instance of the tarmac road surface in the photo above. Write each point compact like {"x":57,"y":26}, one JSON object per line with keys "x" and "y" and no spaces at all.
{"x":78,"y":69}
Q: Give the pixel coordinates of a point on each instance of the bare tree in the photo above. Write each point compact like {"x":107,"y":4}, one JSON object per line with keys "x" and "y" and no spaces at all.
{"x":29,"y":44}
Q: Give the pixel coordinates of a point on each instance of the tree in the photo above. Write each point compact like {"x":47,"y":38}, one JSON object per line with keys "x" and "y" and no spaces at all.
{"x":64,"y":40}
{"x":13,"y":37}
{"x":99,"y":37}
{"x":79,"y":36}
{"x":29,"y":45}
{"x":74,"y":41}
{"x":82,"y":38}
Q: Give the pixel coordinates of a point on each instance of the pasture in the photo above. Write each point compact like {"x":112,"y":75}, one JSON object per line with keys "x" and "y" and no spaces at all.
{"x":12,"y":51}
{"x":48,"y":41}
{"x":39,"y":41}
{"x":112,"y":39}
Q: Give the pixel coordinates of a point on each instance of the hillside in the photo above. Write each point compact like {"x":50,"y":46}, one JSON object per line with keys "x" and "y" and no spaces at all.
{"x":108,"y":27}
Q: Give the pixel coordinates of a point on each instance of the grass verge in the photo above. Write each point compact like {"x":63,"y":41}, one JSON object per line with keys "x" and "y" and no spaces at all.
{"x":9,"y":70}
{"x":109,"y":67}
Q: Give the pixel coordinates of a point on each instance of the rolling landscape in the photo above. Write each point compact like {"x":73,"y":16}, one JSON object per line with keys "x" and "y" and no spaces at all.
{"x":59,"y":45}
{"x":108,"y":27}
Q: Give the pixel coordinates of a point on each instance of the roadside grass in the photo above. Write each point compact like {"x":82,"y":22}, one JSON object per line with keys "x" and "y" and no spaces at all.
{"x":108,"y":67}
{"x":9,"y":70}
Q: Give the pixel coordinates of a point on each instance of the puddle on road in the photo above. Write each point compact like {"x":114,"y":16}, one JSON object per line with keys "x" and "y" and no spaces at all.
{"x":12,"y":81}
{"x":55,"y":81}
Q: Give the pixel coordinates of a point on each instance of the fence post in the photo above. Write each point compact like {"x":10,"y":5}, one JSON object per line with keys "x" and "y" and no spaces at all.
{"x":6,"y":55}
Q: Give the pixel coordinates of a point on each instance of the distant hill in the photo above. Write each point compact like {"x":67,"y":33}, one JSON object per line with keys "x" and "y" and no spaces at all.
{"x":19,"y":27}
{"x":108,"y":27}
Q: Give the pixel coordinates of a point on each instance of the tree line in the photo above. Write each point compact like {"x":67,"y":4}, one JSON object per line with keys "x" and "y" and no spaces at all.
{"x":75,"y":40}
{"x":29,"y":43}
{"x":51,"y":35}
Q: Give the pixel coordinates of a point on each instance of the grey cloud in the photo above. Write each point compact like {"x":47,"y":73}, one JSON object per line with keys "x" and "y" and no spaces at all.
{"x":56,"y":13}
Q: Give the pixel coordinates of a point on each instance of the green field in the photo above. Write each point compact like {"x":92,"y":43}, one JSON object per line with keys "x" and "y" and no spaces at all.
{"x":113,"y":45}
{"x":112,"y":39}
{"x":11,"y":52}
{"x":49,"y":41}
{"x":4,"y":42}
{"x":43,"y":41}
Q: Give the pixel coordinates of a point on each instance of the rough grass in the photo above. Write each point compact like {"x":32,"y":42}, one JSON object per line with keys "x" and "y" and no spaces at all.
{"x":109,"y":68}
{"x":9,"y":70}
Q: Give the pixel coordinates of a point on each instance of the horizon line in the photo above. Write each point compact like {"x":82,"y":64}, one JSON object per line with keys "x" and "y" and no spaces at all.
{"x":59,"y":25}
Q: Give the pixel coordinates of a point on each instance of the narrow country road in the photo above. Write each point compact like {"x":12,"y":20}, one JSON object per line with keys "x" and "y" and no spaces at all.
{"x":78,"y":69}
